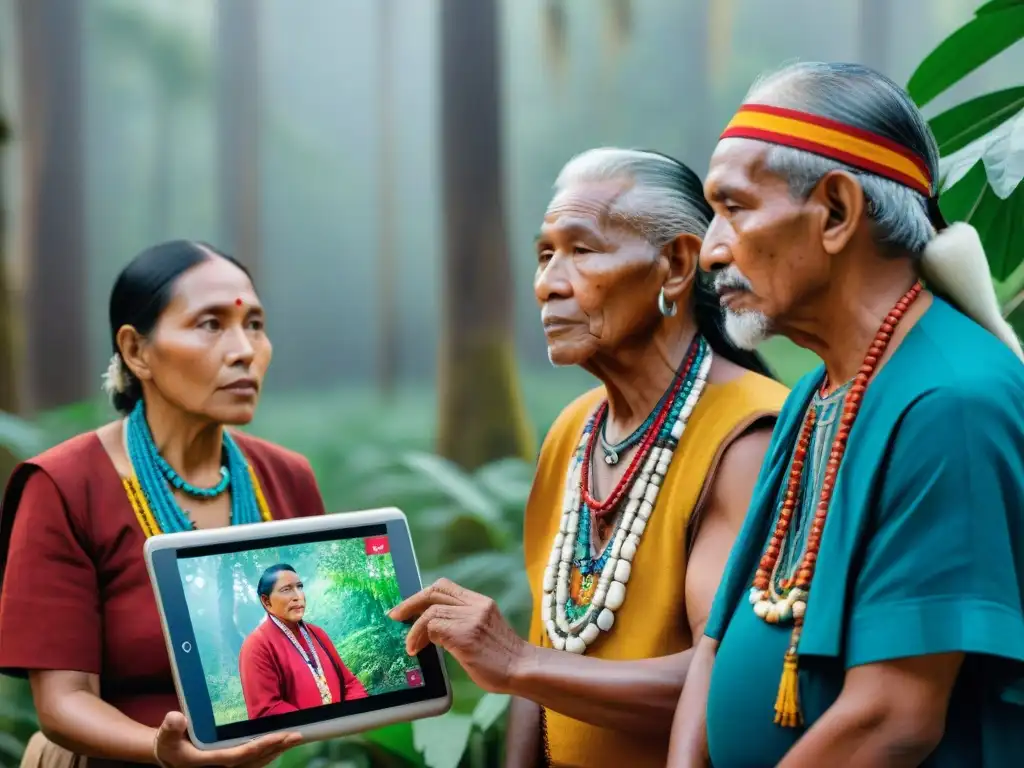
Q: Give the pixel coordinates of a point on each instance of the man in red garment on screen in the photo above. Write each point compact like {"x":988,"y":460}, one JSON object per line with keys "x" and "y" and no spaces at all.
{"x":288,"y":664}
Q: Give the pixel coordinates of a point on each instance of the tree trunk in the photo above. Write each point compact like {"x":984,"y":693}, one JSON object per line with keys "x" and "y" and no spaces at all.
{"x":873,"y":34}
{"x":482,"y":417}
{"x":239,"y":121}
{"x":387,"y":275}
{"x":226,"y":607}
{"x":695,"y":57}
{"x":8,"y":335}
{"x":50,"y":38}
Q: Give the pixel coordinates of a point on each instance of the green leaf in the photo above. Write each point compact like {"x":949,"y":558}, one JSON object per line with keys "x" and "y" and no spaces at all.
{"x":1002,"y":153}
{"x":997,"y":5}
{"x":973,"y":200}
{"x":399,"y":739}
{"x":442,"y":740}
{"x":979,"y":40}
{"x":10,"y":710}
{"x":20,"y":437}
{"x":955,"y":128}
{"x":492,"y":707}
{"x":456,"y":483}
{"x":11,"y":746}
{"x":479,"y":569}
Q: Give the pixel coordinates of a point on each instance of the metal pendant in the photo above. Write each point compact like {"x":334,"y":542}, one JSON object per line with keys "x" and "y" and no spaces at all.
{"x":611,"y":458}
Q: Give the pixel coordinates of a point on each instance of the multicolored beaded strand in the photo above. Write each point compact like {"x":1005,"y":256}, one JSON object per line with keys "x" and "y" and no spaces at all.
{"x":791,"y":602}
{"x":574,"y":628}
{"x":150,"y":495}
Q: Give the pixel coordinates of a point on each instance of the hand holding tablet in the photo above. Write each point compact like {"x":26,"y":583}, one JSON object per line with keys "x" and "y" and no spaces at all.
{"x":282,"y":628}
{"x":173,"y":749}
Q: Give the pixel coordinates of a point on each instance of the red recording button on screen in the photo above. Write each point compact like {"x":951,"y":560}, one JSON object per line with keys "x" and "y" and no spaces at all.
{"x":377,"y":545}
{"x":413,"y":678}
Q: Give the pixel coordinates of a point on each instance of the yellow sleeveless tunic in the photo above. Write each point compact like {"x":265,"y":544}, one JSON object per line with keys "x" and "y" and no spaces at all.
{"x":652,"y":622}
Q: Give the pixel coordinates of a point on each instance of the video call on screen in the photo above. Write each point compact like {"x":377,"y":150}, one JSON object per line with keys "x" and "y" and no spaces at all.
{"x":319,"y":634}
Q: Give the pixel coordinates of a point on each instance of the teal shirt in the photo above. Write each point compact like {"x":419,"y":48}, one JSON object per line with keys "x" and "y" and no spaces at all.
{"x":923,"y":552}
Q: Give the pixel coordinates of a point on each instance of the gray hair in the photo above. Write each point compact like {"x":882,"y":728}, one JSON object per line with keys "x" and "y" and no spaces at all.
{"x":665,"y":199}
{"x":953,"y":261}
{"x":865,"y":99}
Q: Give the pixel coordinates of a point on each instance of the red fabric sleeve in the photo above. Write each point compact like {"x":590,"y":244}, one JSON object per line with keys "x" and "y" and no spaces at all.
{"x":312,"y":501}
{"x":50,"y":604}
{"x":261,"y":679}
{"x":354,"y":689}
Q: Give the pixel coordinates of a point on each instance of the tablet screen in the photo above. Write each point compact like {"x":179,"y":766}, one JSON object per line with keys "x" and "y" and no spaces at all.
{"x":290,"y":630}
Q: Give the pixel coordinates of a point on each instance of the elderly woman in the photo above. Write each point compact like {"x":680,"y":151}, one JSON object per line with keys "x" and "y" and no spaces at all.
{"x":77,"y":613}
{"x":641,"y":485}
{"x":287,"y":664}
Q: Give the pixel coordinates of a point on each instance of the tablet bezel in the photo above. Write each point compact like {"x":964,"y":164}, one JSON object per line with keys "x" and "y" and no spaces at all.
{"x":162,"y":553}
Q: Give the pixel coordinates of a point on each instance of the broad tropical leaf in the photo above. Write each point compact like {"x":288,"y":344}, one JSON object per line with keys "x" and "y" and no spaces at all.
{"x":442,"y":740}
{"x":1002,"y":153}
{"x":399,"y":739}
{"x":955,"y":128}
{"x":10,"y":746}
{"x":998,"y":221}
{"x":508,"y":480}
{"x":997,"y":5}
{"x":491,"y":708}
{"x":994,"y":29}
{"x":476,"y":570}
{"x":454,"y":481}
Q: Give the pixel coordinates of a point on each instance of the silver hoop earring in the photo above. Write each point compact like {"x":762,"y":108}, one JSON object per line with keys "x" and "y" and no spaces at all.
{"x":666,"y":307}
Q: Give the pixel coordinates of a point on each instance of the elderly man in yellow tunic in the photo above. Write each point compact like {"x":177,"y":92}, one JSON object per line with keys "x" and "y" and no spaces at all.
{"x":641,"y":485}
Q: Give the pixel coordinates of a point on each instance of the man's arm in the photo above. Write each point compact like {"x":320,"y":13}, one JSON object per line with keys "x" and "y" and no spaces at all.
{"x":890,"y":714}
{"x":727,"y":507}
{"x":636,"y":696}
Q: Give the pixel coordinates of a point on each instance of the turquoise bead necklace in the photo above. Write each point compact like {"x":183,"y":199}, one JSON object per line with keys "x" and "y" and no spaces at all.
{"x":157,"y":478}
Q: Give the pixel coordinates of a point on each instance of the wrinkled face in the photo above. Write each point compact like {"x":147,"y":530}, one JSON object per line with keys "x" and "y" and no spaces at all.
{"x":209,"y":351}
{"x":287,"y":600}
{"x":597,"y":281}
{"x":763,"y":246}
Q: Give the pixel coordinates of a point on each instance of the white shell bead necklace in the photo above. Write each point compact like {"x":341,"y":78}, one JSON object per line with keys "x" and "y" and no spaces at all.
{"x":610,"y":593}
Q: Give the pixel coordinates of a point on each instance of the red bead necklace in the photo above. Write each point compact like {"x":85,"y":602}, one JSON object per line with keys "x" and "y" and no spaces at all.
{"x":793,"y":601}
{"x":603,"y":508}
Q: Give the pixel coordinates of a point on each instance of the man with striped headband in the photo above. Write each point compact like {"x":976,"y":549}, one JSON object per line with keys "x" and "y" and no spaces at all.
{"x":870,"y":613}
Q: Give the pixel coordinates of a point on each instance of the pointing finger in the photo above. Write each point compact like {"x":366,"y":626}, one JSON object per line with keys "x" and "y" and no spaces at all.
{"x":436,"y":594}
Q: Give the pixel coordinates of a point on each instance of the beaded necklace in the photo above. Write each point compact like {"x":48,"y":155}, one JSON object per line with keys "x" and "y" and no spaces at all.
{"x":149,"y":488}
{"x":574,"y":621}
{"x":788,"y":602}
{"x":612,"y":451}
{"x":314,"y":665}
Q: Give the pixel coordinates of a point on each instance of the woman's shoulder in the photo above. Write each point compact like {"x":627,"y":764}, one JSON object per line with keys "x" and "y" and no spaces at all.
{"x":751,"y":391}
{"x":286,"y":477}
{"x":76,"y":454}
{"x":275,"y":456}
{"x":71,"y":466}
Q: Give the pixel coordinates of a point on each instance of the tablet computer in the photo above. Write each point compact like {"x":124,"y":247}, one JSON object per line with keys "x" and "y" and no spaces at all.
{"x":283,"y":626}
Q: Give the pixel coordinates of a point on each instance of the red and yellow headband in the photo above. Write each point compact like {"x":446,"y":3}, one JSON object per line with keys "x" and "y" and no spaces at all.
{"x":830,"y":138}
